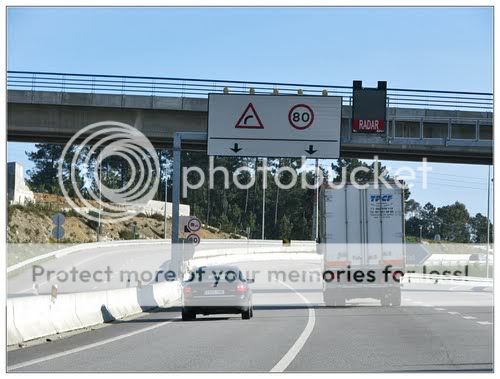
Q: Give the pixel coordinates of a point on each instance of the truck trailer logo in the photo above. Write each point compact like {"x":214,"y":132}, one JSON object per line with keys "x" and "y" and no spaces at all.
{"x":380,"y":197}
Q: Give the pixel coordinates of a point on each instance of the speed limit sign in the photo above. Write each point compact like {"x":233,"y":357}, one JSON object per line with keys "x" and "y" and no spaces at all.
{"x":301,"y":116}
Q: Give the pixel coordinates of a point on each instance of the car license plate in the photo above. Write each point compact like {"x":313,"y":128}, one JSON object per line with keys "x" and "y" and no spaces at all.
{"x":214,"y":292}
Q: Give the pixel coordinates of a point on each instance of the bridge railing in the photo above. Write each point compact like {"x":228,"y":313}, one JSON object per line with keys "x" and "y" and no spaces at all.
{"x":183,"y":87}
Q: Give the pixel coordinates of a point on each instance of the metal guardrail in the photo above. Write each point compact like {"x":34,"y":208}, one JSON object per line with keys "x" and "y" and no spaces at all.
{"x":437,"y":278}
{"x":183,"y":87}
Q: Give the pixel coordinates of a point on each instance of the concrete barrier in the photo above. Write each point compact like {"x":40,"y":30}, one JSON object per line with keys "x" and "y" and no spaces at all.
{"x":63,"y":313}
{"x":238,"y":258}
{"x":122,"y":302}
{"x":32,"y":316}
{"x":167,"y":294}
{"x":90,"y":307}
{"x":13,"y":335}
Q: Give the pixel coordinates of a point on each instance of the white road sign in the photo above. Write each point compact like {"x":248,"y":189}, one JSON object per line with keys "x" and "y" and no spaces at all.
{"x":274,"y":126}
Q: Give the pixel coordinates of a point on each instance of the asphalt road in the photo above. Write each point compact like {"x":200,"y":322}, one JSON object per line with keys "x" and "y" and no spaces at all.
{"x":438,"y":328}
{"x":121,"y":259}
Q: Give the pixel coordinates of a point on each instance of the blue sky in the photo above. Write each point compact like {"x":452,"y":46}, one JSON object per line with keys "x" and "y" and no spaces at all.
{"x":423,"y":48}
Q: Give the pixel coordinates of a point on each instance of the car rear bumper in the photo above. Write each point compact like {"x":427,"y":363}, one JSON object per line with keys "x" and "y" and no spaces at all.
{"x":215,"y":309}
{"x":216,"y":302}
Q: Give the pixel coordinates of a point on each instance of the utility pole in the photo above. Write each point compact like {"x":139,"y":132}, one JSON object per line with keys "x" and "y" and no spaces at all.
{"x":317,"y":201}
{"x":488,"y":226}
{"x":166,"y":193}
{"x":98,"y":232}
{"x":277,"y":198}
{"x":264,"y":180}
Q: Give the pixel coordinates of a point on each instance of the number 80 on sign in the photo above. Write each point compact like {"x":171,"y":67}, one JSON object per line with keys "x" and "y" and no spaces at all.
{"x":301,"y":116}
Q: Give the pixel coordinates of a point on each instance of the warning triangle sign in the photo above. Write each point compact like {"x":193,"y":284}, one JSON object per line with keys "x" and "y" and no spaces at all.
{"x":249,"y":119}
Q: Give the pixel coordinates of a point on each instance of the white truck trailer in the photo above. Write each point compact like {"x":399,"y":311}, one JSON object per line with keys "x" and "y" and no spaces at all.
{"x":362,"y":241}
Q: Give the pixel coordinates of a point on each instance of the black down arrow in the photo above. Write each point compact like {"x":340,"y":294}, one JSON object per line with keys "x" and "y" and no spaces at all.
{"x":235,"y":148}
{"x":311,"y":150}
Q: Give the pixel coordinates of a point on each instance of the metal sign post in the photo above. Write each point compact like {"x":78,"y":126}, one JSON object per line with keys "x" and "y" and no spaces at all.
{"x":166,"y":197}
{"x":264,"y":185}
{"x":488,"y":227}
{"x":176,"y":259}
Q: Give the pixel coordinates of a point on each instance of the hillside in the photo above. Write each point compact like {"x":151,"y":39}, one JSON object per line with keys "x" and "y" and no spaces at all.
{"x":32,"y":223}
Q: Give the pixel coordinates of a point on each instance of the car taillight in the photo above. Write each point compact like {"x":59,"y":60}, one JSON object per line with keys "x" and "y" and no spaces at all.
{"x":241,"y":288}
{"x":187,"y":290}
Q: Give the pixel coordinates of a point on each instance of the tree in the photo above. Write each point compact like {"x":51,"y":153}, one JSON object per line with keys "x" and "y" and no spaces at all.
{"x":455,"y":223}
{"x":44,"y":177}
{"x":347,"y":166}
{"x":412,"y":208}
{"x":286,"y":227}
{"x":479,"y":228}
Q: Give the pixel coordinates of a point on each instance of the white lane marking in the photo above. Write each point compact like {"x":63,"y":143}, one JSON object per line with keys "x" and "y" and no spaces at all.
{"x":300,"y":342}
{"x":85,"y":347}
{"x":484,"y":322}
{"x":454,"y":313}
{"x":469,"y":317}
{"x":439,"y":309}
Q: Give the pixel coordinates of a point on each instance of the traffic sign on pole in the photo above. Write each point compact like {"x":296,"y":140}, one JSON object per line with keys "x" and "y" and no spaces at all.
{"x":58,"y":231}
{"x":194,"y":239}
{"x":58,"y":219}
{"x":274,"y":126}
{"x":194,"y":224}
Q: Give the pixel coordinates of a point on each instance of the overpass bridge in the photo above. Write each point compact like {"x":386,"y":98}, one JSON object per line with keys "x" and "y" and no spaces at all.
{"x":444,"y":126}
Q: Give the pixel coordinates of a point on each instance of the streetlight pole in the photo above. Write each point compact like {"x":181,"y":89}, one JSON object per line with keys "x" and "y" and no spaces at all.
{"x":166,"y":201}
{"x":100,"y":200}
{"x":317,"y":201}
{"x":488,"y":226}
{"x":264,"y":180}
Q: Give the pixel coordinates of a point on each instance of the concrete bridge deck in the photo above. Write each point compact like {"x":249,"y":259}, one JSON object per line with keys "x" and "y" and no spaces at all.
{"x":440,"y":135}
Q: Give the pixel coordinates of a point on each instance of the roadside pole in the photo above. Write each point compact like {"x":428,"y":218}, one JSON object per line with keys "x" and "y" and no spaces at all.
{"x":177,"y":257}
{"x":100,"y":200}
{"x":317,"y":201}
{"x":488,"y":226}
{"x":166,"y":193}
{"x":264,"y":182}
{"x":176,"y":188}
